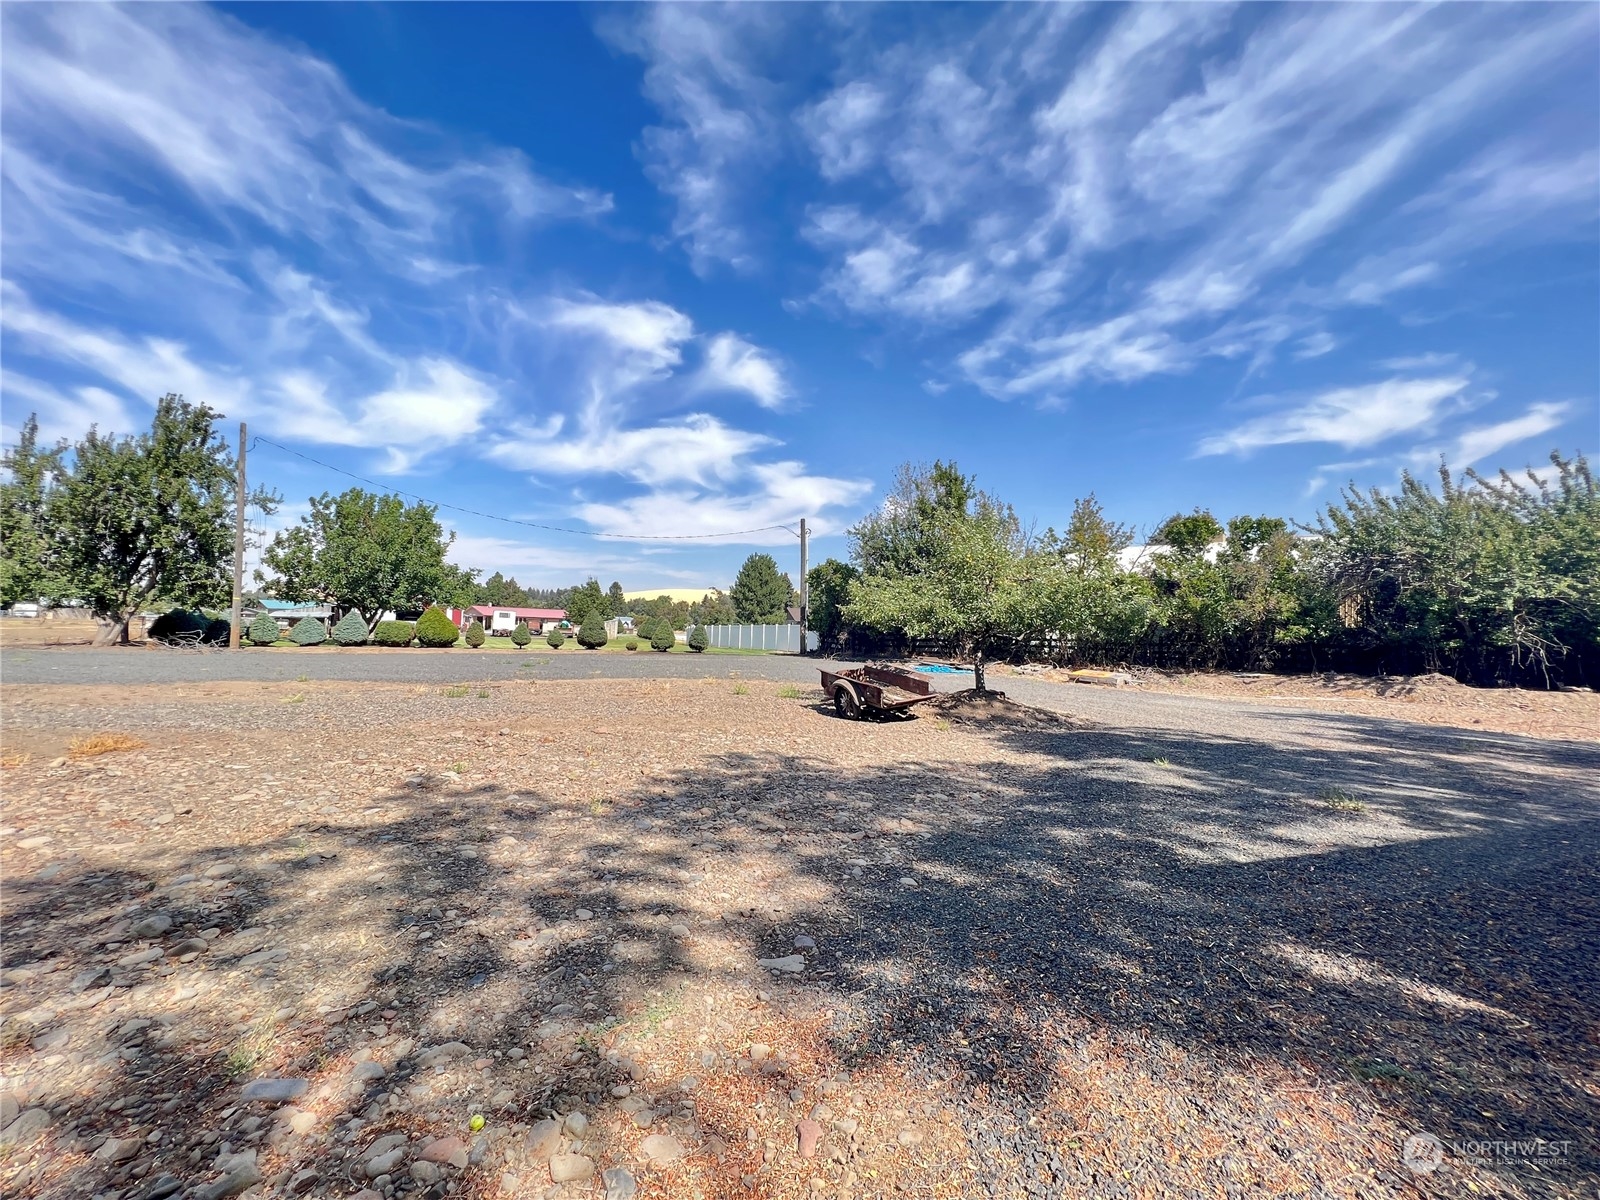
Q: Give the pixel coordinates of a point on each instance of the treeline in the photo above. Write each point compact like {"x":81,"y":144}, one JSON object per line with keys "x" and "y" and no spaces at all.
{"x":1492,"y":580}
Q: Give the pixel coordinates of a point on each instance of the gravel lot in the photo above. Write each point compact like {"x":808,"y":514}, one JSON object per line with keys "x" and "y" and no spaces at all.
{"x":1158,"y":946}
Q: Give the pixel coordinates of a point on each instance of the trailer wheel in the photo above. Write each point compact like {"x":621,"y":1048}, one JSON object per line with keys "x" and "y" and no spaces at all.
{"x":845,"y":702}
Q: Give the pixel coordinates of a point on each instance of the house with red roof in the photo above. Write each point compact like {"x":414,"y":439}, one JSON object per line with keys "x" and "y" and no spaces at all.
{"x":501,"y":619}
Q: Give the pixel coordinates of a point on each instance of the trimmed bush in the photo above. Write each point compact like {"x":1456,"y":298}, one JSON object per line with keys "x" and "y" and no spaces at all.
{"x":662,"y":637}
{"x":699,"y":639}
{"x":308,"y":631}
{"x":632,"y":643}
{"x":351,"y":630}
{"x":436,"y":630}
{"x":592,"y":634}
{"x":393,"y":633}
{"x":475,"y":635}
{"x":520,"y":636}
{"x":555,"y":639}
{"x":217,"y":631}
{"x":263,"y":631}
{"x":178,"y":625}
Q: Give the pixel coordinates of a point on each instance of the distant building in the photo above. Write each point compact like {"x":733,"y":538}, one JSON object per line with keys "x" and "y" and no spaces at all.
{"x":503,"y":618}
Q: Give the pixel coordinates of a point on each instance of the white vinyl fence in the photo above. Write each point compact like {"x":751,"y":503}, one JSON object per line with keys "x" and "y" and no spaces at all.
{"x":783,"y":638}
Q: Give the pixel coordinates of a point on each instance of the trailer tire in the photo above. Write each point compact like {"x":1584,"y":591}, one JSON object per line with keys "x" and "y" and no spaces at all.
{"x":845,"y":702}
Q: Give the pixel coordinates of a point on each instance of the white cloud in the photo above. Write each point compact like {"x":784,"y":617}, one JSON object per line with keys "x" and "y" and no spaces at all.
{"x":1350,"y":417}
{"x":733,"y":364}
{"x":1472,"y":446}
{"x":698,"y":449}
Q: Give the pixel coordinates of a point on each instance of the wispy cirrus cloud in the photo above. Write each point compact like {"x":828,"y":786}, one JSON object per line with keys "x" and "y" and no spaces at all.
{"x":1351,"y":417}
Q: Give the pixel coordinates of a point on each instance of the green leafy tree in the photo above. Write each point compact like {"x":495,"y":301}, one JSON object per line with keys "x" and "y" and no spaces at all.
{"x":1188,"y":533}
{"x":761,"y":592}
{"x":141,"y":518}
{"x":971,"y":581}
{"x":592,"y":633}
{"x":351,"y":630}
{"x":520,"y":636}
{"x":1092,"y":541}
{"x":586,"y":602}
{"x":662,"y":637}
{"x":714,"y":608}
{"x":699,"y":639}
{"x":828,"y":584}
{"x":475,"y":636}
{"x":901,"y":537}
{"x":616,"y":602}
{"x":308,"y":631}
{"x":264,"y":631}
{"x":365,"y":551}
{"x":555,"y":639}
{"x":435,"y":630}
{"x":501,"y":592}
{"x":30,"y":475}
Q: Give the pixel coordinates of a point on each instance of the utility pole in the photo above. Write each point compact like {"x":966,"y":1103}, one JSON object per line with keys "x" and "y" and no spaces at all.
{"x":238,"y":549}
{"x":805,"y":594}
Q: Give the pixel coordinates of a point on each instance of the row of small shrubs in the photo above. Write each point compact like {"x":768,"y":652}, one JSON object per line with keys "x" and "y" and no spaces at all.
{"x":433,"y":629}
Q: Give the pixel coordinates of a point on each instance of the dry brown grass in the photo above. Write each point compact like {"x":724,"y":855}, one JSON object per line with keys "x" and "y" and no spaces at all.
{"x":7,"y":761}
{"x":103,"y":743}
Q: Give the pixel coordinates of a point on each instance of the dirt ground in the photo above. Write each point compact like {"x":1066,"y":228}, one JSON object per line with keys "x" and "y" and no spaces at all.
{"x":1430,"y":699}
{"x":701,"y":938}
{"x":46,"y":631}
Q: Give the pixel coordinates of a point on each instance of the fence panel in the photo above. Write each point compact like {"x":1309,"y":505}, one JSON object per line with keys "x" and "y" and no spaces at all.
{"x":785,"y":639}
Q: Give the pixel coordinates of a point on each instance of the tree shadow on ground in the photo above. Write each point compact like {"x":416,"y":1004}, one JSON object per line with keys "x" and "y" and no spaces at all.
{"x":1066,"y":937}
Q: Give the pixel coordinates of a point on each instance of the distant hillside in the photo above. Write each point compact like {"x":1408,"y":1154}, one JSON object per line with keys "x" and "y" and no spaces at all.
{"x":687,"y":595}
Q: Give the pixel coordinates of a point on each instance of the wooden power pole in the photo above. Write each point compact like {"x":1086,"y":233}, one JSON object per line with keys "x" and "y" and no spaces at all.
{"x":805,"y":594}
{"x":238,"y":548}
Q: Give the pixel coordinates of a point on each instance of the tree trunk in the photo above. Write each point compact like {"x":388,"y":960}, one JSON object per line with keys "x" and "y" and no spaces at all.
{"x":114,"y":632}
{"x":977,"y":671}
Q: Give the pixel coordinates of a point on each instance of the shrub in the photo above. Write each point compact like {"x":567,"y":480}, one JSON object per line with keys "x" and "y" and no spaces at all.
{"x":520,"y":636}
{"x":699,"y":640}
{"x":475,"y":635}
{"x":555,"y":639}
{"x":308,"y":631}
{"x":263,"y":631}
{"x":632,"y":643}
{"x":393,"y":633}
{"x":662,"y":637}
{"x":592,"y":633}
{"x":178,"y":625}
{"x":436,"y":630}
{"x":351,"y":630}
{"x":217,"y":631}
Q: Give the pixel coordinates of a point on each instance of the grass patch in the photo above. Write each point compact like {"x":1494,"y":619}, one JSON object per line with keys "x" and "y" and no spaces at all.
{"x":1342,"y":801}
{"x":1371,"y":1070}
{"x":103,"y":743}
{"x":941,"y":723}
{"x":739,"y":689}
{"x":456,"y":691}
{"x":297,"y":698}
{"x":1161,"y":761}
{"x":789,"y":692}
{"x":458,"y":767}
{"x":483,"y":693}
{"x":302,"y":679}
{"x":251,"y":1050}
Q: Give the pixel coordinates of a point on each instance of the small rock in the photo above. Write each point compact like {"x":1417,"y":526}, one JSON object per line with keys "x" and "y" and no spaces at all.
{"x":804,"y":942}
{"x":382,"y":1164}
{"x":386,"y":1143}
{"x":577,"y":1124}
{"x":584,"y":914}
{"x":190,"y":946}
{"x":55,"y":1039}
{"x":277,"y":1091}
{"x":231,"y":1184}
{"x":909,"y":1137}
{"x":662,"y":1148}
{"x":791,"y":963}
{"x":619,"y":1184}
{"x":367,"y":1071}
{"x":152,"y":926}
{"x":451,"y":1150}
{"x":543,"y":1140}
{"x":907,"y":881}
{"x":564,"y":1168}
{"x":90,"y":978}
{"x":26,"y":1128}
{"x":162,"y":1186}
{"x":303,"y":1181}
{"x":139,"y":958}
{"x":759,"y":1051}
{"x":427,"y":1173}
{"x":809,"y":1133}
{"x":43,"y":839}
{"x":118,"y":1150}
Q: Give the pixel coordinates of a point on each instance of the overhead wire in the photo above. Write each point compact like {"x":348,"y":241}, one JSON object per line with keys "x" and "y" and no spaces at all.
{"x":626,"y":537}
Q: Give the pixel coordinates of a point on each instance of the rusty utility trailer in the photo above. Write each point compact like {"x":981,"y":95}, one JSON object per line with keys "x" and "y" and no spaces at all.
{"x":863,"y":690}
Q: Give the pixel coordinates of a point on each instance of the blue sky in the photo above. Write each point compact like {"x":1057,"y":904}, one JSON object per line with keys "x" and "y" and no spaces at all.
{"x":682,"y":270}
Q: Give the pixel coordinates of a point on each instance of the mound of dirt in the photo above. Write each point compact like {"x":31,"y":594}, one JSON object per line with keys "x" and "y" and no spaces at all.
{"x":972,"y":707}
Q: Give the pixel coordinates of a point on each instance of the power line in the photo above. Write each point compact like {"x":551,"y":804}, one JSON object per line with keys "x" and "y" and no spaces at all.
{"x":625,"y":537}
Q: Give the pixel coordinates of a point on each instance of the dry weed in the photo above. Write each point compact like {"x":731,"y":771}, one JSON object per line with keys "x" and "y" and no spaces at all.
{"x":103,"y":743}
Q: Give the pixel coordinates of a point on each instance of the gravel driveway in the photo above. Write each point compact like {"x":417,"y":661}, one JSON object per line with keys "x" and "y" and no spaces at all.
{"x":1168,"y":947}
